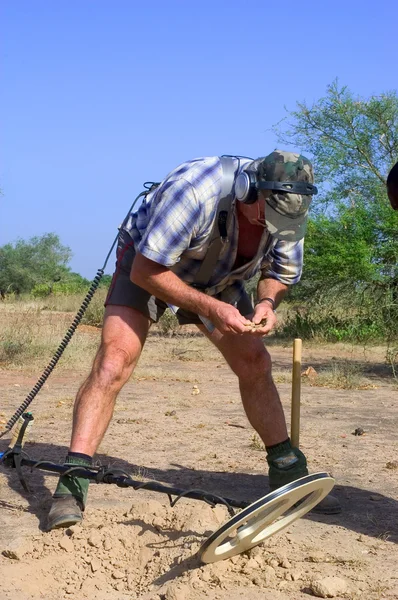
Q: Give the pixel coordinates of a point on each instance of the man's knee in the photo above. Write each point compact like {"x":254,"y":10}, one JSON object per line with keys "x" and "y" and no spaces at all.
{"x":254,"y":362}
{"x":114,"y":363}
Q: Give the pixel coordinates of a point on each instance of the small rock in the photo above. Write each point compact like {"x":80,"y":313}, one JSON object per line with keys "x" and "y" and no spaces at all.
{"x":358,"y":431}
{"x":375,"y":498}
{"x":252,"y":564}
{"x":268,"y":573}
{"x":392,"y":465}
{"x":17,"y":548}
{"x":254,"y":552}
{"x":273,"y":562}
{"x":285,"y":563}
{"x":206,"y":575}
{"x":95,"y":539}
{"x":66,"y":544}
{"x":95,"y":564}
{"x":118,"y":574}
{"x":177,"y":592}
{"x":74,"y":529}
{"x":310,"y":372}
{"x":107,"y":544}
{"x":317,"y":557}
{"x":329,"y":587}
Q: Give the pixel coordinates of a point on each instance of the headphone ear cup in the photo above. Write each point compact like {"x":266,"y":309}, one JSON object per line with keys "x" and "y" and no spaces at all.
{"x":242,"y":186}
{"x":245,"y":188}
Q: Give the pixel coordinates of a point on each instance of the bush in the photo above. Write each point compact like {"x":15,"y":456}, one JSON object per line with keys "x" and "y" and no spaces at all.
{"x":331,"y":328}
{"x":41,"y":290}
{"x":68,"y":288}
{"x":168,"y":323}
{"x":10,"y":350}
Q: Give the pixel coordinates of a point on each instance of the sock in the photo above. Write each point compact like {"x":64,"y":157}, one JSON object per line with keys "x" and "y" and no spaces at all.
{"x":286,"y":464}
{"x":74,"y":485}
{"x":88,"y":459}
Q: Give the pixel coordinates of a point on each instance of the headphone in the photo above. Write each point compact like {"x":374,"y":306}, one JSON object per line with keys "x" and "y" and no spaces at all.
{"x":247,"y":186}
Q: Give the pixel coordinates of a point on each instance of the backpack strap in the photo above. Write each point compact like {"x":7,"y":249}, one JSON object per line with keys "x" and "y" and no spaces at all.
{"x":219,"y":235}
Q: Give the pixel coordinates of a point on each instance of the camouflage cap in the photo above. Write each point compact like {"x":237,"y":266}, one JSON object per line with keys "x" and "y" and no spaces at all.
{"x":286,"y":213}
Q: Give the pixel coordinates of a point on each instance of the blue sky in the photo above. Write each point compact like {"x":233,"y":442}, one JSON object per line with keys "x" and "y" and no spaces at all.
{"x":99,"y":96}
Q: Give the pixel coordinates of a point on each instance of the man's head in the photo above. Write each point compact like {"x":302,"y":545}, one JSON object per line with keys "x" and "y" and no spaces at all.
{"x":392,"y":186}
{"x":281,"y":186}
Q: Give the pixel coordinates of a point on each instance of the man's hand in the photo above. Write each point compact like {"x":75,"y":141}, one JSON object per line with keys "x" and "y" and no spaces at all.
{"x":227,"y":319}
{"x":263,"y":320}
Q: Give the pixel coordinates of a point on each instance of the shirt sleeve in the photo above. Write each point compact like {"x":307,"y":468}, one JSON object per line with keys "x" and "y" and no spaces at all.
{"x":172,"y":224}
{"x":285,"y":262}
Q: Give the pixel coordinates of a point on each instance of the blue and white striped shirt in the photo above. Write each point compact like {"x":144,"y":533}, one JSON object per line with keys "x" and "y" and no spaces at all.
{"x":173,"y":227}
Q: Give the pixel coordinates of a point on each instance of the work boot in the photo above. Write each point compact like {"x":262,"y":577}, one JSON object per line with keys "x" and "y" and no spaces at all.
{"x":287,"y":464}
{"x":65,"y":512}
{"x":69,"y":499}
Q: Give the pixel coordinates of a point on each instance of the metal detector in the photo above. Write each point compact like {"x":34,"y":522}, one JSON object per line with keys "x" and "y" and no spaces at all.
{"x":265,"y":517}
{"x":255,"y":523}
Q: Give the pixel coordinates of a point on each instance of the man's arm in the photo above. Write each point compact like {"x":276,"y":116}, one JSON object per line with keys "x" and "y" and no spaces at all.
{"x":282,"y":268}
{"x":270,"y":293}
{"x":167,"y":286}
{"x":271,"y":288}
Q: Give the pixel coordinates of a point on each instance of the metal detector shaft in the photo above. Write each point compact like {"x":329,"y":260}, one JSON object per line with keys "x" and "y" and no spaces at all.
{"x":123,"y":480}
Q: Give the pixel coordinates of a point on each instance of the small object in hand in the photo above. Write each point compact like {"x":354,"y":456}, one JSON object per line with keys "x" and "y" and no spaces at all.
{"x":359,"y":431}
{"x":254,"y":326}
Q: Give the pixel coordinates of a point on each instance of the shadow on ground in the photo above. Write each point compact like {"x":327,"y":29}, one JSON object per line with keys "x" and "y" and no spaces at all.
{"x":364,"y":511}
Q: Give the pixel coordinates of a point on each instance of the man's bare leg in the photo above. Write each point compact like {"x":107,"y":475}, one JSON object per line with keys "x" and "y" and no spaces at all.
{"x":123,"y":337}
{"x":251,"y":362}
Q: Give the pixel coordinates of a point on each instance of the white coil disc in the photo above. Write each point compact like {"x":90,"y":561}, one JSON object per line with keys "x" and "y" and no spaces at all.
{"x":266,"y":516}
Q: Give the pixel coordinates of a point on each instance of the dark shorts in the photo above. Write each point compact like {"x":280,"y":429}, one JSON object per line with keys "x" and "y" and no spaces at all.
{"x":123,"y":292}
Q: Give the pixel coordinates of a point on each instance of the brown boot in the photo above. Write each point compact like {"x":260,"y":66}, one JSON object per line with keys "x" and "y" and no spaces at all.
{"x":328,"y":506}
{"x":64,"y":512}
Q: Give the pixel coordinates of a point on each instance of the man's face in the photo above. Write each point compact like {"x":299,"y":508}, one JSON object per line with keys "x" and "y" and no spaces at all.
{"x":392,"y":192}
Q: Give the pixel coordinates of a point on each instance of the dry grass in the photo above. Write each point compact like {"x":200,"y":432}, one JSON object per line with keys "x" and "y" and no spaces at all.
{"x":29,"y":337}
{"x":64,"y":303}
{"x":256,"y":443}
{"x":343,"y":375}
{"x":30,"y":334}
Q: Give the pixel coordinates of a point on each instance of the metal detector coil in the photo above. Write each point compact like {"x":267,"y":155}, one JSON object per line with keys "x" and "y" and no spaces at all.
{"x":265,"y":517}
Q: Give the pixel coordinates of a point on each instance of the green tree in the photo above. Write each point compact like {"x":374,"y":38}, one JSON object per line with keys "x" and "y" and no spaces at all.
{"x":352,"y":242}
{"x":40,"y":260}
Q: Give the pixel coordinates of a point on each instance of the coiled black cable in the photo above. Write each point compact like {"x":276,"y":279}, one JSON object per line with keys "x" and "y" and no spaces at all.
{"x":149,"y":186}
{"x":58,"y":353}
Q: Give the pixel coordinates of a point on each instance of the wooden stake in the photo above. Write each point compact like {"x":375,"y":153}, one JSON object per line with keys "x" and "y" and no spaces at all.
{"x":296,"y":393}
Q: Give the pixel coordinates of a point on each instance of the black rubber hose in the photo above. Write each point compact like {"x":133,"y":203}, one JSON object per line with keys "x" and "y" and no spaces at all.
{"x":58,"y":353}
{"x":149,"y":186}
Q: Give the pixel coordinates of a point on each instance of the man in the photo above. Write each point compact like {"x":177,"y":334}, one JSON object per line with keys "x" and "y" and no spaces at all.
{"x":161,"y":249}
{"x":392,"y":187}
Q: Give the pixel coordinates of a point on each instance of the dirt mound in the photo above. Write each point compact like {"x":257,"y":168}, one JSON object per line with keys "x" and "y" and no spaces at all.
{"x":149,"y":552}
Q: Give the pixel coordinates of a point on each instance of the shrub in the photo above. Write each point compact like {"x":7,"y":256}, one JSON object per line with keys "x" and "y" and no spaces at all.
{"x":168,"y":323}
{"x":41,"y":290}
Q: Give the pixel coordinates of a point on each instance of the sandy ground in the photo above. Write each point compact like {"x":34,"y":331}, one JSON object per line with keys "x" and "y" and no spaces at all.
{"x":181,"y":423}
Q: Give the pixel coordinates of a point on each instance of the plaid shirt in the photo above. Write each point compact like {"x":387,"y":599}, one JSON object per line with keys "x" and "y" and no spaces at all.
{"x":173,"y":227}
